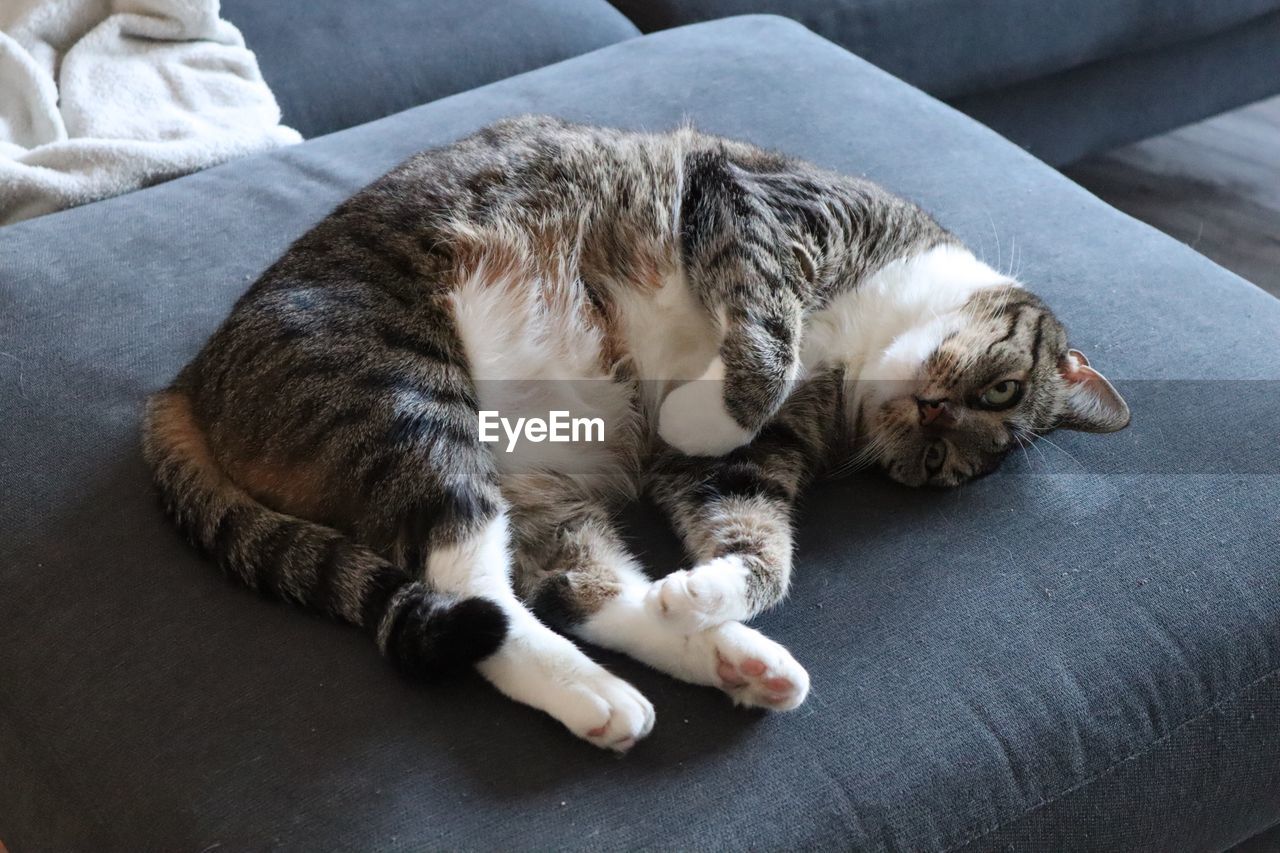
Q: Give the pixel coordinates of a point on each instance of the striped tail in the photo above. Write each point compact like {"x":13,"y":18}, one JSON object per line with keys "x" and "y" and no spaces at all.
{"x":421,"y":631}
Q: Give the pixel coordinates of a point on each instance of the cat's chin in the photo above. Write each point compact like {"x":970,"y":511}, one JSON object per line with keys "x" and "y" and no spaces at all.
{"x":906,"y":471}
{"x":911,"y":483}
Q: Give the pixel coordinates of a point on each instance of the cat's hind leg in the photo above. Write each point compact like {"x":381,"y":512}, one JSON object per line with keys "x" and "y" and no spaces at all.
{"x":435,"y":504}
{"x":592,"y":588}
{"x":534,"y":665}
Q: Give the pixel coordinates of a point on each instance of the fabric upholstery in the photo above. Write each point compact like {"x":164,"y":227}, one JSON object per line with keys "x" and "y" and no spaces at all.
{"x":1064,"y":116}
{"x":1079,"y":652}
{"x":1267,"y":842}
{"x":336,"y":63}
{"x":961,"y":47}
{"x":1063,"y":79}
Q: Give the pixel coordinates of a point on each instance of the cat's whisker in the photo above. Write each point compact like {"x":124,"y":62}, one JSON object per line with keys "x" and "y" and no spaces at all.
{"x":1061,"y":449}
{"x":1030,"y":438}
{"x":1034,"y":445}
{"x":1021,"y":440}
{"x":869,"y":453}
{"x":863,"y":458}
{"x":995,"y":234}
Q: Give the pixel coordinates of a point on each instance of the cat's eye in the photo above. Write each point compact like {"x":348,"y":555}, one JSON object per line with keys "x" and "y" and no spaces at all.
{"x":934,"y":457}
{"x":1002,"y":395}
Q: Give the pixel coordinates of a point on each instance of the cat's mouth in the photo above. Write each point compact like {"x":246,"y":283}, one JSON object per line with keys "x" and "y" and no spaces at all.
{"x":912,"y":469}
{"x":940,"y":463}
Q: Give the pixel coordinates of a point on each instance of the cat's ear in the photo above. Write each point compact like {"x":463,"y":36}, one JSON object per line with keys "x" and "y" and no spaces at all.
{"x":808,"y":267}
{"x":1093,"y":404}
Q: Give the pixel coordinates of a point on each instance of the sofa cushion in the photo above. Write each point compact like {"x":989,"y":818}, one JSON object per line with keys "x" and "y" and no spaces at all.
{"x":1065,"y":116}
{"x":1079,"y":652}
{"x":1267,"y":842}
{"x":336,"y":63}
{"x":961,"y":47}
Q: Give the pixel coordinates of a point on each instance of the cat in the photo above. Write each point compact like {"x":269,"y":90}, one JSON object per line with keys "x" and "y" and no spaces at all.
{"x":324,"y":445}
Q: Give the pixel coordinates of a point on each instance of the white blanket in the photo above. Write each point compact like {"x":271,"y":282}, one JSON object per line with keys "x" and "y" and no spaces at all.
{"x":99,"y":97}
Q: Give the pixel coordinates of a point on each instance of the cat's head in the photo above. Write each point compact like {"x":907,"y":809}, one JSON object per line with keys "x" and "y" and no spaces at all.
{"x":958,"y":393}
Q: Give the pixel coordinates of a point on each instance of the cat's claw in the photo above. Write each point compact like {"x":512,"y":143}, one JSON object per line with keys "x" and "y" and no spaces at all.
{"x":702,"y":597}
{"x":755,"y":671}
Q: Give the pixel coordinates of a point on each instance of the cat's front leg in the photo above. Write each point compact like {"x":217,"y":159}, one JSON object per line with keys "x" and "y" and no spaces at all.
{"x":746,"y":269}
{"x":744,"y":386}
{"x":734,"y":515}
{"x":709,"y":594}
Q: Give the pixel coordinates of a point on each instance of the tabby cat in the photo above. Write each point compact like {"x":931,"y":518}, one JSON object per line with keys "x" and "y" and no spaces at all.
{"x":325,"y":445}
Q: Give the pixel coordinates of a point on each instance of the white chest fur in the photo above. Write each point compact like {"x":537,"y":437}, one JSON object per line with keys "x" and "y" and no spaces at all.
{"x":883,"y":329}
{"x":535,"y":350}
{"x":666,"y":332}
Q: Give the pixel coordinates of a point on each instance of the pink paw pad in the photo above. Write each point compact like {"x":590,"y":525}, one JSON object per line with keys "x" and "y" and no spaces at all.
{"x":753,"y":667}
{"x":742,"y":675}
{"x":729,"y":673}
{"x":752,"y":681}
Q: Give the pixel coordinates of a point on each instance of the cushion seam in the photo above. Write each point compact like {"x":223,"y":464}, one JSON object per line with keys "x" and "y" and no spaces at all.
{"x":1261,"y":832}
{"x":1138,"y":753}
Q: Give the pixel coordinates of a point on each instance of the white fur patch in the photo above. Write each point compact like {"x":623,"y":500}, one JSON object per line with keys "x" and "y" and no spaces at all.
{"x":533,"y":350}
{"x":668,"y":334}
{"x":704,"y":596}
{"x":693,"y":418}
{"x":752,"y":669}
{"x":477,"y":566}
{"x":876,"y":331}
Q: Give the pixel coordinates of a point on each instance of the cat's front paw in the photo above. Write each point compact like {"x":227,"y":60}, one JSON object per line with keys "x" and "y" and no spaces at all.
{"x":754,"y":670}
{"x":694,"y":420}
{"x":703,"y":597}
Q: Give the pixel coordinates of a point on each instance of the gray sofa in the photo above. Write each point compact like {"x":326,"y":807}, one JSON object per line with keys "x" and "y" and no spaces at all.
{"x":1081,"y":652}
{"x":1062,"y":78}
{"x":336,"y":64}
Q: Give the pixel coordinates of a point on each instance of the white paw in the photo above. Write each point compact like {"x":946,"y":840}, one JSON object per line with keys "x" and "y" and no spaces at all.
{"x":702,"y":597}
{"x":605,"y":710}
{"x":693,"y":419}
{"x":548,"y":672}
{"x":754,"y":670}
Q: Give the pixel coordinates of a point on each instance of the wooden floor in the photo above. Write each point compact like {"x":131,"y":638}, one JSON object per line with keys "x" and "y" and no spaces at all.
{"x":1213,"y":185}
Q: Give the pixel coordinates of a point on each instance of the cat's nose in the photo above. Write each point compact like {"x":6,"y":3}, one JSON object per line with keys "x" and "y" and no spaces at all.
{"x":935,"y":413}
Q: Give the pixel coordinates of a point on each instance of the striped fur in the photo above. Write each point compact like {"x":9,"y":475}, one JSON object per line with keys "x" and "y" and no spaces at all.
{"x":324,"y":445}
{"x":423,"y":632}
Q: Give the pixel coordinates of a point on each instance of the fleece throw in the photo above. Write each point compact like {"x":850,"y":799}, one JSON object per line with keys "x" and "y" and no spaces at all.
{"x":99,"y":97}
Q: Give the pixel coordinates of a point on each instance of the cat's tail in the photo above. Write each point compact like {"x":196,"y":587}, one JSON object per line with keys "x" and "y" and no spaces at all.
{"x":418,"y":629}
